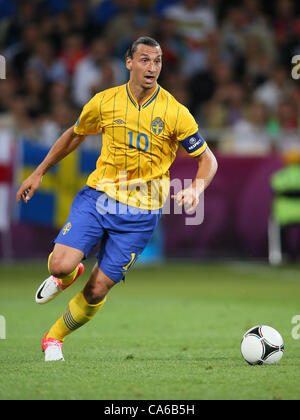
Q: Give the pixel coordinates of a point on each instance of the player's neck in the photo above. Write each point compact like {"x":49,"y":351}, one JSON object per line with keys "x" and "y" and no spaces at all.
{"x":140,"y":94}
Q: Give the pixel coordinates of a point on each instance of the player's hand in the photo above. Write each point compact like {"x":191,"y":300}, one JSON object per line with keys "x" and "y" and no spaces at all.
{"x":189,"y":198}
{"x":28,"y":187}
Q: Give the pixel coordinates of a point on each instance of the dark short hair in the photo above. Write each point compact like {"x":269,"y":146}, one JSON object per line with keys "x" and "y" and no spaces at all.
{"x":145,"y":40}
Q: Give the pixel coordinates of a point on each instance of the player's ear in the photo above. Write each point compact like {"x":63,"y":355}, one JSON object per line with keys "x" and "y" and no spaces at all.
{"x":128,"y":63}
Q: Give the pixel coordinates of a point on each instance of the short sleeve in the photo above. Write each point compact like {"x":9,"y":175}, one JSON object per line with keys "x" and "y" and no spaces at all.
{"x":89,"y":121}
{"x":187,"y":133}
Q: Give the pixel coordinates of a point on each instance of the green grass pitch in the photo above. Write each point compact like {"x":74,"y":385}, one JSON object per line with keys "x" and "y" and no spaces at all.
{"x":171,"y":331}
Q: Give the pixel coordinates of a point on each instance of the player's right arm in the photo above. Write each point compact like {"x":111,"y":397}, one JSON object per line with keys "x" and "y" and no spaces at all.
{"x":88,"y":123}
{"x":66,"y":143}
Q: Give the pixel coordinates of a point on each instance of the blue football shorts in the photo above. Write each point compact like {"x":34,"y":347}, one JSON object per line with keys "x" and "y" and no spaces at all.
{"x":124,"y":231}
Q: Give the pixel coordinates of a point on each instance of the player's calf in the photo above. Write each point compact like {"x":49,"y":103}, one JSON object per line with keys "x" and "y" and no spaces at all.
{"x":98,"y":286}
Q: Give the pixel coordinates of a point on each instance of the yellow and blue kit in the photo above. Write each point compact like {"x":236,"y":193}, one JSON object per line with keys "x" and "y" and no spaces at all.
{"x":139,"y":144}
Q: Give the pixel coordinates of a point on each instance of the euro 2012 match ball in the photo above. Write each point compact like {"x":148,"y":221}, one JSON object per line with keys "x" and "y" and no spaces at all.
{"x":262,"y":345}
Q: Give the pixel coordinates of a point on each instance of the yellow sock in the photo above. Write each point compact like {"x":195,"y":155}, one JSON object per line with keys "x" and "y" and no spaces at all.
{"x":78,"y":313}
{"x":67,"y":279}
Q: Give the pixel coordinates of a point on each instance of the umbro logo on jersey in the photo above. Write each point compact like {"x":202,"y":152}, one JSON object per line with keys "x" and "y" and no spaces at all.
{"x":119,"y":121}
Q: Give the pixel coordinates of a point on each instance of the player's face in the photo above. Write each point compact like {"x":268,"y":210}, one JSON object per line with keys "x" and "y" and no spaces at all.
{"x":145,"y":66}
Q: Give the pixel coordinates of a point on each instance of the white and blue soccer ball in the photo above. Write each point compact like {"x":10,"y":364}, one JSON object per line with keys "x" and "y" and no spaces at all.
{"x":262,"y":345}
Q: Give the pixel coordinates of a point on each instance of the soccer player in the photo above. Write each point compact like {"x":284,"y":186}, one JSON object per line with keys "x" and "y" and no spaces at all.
{"x":142,"y":126}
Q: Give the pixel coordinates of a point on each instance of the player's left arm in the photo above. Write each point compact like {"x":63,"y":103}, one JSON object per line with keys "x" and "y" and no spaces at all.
{"x":191,"y":140}
{"x":207,"y":168}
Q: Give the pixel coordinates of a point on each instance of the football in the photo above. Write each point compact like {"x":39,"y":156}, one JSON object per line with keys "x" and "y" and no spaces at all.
{"x":262,"y":345}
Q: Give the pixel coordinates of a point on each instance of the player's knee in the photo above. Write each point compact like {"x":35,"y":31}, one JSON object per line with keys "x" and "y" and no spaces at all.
{"x":95,"y":292}
{"x":60,"y":268}
{"x":95,"y":295}
{"x":98,"y":286}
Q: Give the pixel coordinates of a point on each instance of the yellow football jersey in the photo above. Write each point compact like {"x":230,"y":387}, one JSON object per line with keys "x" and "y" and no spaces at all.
{"x":139,"y":143}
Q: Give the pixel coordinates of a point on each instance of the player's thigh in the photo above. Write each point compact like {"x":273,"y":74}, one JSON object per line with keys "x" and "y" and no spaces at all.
{"x":82,"y":231}
{"x":64,"y":259}
{"x":120,"y":251}
{"x":98,"y":286}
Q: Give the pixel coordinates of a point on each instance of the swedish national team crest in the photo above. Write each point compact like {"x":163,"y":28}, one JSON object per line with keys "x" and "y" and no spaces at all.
{"x":67,"y":228}
{"x":157,"y":125}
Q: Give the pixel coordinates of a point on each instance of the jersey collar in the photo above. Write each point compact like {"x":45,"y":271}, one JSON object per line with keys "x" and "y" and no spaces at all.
{"x":147,"y":101}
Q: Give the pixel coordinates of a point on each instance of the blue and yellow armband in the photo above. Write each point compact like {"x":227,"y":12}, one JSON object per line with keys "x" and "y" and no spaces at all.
{"x":195,"y":145}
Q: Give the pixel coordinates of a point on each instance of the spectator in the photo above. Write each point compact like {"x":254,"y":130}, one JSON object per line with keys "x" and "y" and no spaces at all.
{"x":235,"y":103}
{"x":61,"y":28}
{"x":205,"y":85}
{"x":176,"y":84}
{"x":226,"y":107}
{"x":33,"y":89}
{"x":273,"y":90}
{"x":294,"y":99}
{"x":73,"y":52}
{"x":20,"y":52}
{"x":96,"y":70}
{"x":105,"y":11}
{"x":287,"y":117}
{"x":256,"y":22}
{"x":285,"y":27}
{"x":58,"y":92}
{"x":8,"y":9}
{"x":46,"y":64}
{"x":124,"y":24}
{"x":248,"y":136}
{"x":285,"y":128}
{"x":159,"y":6}
{"x":286,"y":30}
{"x":57,"y":6}
{"x":26,"y":13}
{"x":172,"y":44}
{"x":232,"y":35}
{"x":22,"y":125}
{"x":196,"y":22}
{"x":259,"y":60}
{"x":61,"y":117}
{"x":80,"y":19}
{"x":253,"y":12}
{"x":7,"y":91}
{"x":197,"y":25}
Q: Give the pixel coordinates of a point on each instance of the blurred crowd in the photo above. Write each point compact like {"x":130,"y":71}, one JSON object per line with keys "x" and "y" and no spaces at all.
{"x":229,"y":62}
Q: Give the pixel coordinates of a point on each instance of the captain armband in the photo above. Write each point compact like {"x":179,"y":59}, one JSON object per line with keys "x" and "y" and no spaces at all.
{"x":195,"y":145}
